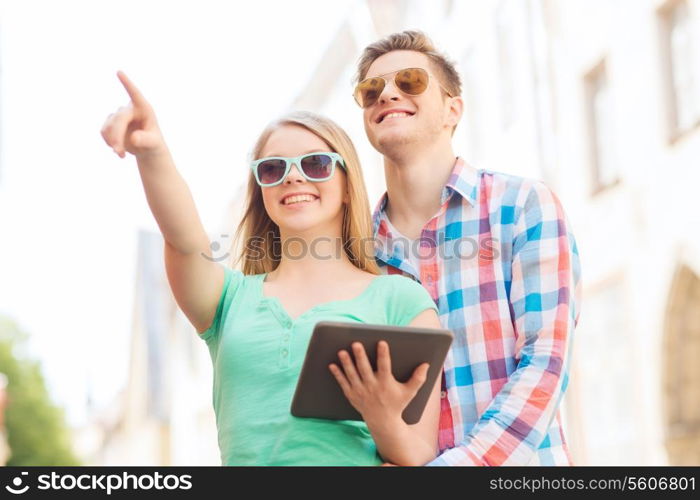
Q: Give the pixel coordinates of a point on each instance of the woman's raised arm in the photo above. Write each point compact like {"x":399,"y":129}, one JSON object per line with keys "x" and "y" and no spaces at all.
{"x":196,"y":281}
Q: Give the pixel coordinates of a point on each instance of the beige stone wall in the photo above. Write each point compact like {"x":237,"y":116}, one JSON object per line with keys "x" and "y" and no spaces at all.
{"x":682,"y":370}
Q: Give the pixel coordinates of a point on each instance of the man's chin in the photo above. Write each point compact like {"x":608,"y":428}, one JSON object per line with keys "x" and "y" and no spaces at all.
{"x":390,"y":140}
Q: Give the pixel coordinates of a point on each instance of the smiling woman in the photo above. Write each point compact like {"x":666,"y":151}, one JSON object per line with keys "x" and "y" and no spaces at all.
{"x":306,"y":186}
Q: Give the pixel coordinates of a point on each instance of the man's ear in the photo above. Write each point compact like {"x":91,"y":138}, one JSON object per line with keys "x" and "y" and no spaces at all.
{"x":454,"y":113}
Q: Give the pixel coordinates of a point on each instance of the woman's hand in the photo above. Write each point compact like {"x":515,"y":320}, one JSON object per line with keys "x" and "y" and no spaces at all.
{"x":377,"y":396}
{"x":133,"y":127}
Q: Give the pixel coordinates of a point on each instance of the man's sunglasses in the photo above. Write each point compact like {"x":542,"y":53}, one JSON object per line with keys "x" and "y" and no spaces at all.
{"x":315,"y":167}
{"x":411,"y":81}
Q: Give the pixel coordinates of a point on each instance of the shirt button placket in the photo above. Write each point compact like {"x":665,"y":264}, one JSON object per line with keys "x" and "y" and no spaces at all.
{"x":428,"y":277}
{"x":285,"y":347}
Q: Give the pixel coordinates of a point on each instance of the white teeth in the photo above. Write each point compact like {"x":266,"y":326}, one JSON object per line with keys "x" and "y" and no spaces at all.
{"x":395,"y":115}
{"x":298,"y":198}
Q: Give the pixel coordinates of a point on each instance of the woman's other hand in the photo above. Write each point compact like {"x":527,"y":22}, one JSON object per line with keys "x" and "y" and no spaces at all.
{"x":377,"y":396}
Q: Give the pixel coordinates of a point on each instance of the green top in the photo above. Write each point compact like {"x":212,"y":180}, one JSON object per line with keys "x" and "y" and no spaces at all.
{"x":257,"y":352}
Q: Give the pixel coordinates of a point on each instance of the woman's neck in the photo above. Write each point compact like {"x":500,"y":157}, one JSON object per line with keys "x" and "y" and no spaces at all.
{"x":311,"y":257}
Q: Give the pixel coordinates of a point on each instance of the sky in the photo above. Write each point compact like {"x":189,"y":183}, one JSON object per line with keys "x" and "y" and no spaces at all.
{"x":70,"y":209}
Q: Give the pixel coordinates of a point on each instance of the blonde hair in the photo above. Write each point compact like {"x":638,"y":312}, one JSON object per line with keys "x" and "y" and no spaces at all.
{"x":256,"y":224}
{"x":418,"y":42}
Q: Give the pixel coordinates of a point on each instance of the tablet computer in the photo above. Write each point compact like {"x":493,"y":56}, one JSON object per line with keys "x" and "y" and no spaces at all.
{"x":318,"y":394}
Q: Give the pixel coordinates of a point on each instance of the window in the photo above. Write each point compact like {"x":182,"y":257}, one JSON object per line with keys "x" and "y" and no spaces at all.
{"x":601,"y":128}
{"x":678,"y":41}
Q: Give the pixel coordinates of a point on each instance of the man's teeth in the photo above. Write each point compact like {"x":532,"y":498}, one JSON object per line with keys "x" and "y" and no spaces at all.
{"x":395,"y":115}
{"x":298,"y":198}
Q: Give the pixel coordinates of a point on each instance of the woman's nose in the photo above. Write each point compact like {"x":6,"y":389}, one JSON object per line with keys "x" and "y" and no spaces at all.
{"x":294,"y":175}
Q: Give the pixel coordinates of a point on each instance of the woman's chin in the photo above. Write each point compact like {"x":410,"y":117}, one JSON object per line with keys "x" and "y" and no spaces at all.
{"x":300,"y":223}
{"x":305,"y":222}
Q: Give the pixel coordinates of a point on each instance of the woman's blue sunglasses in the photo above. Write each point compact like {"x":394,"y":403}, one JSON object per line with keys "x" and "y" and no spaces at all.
{"x":315,"y":167}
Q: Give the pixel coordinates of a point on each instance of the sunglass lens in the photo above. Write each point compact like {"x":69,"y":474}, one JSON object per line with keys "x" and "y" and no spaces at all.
{"x":412,"y":81}
{"x":369,"y":90}
{"x":317,"y":166}
{"x":271,"y":171}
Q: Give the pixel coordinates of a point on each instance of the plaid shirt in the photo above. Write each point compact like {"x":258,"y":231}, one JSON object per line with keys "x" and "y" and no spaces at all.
{"x":501,"y":263}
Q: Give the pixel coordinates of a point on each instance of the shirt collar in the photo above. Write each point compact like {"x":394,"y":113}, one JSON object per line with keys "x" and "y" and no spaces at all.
{"x":463,"y":180}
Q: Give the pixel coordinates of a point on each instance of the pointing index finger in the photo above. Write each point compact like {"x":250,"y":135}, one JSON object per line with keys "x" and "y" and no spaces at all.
{"x":135,"y":94}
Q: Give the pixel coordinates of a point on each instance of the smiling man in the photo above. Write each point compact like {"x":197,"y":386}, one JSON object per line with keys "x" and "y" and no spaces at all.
{"x":495,"y":252}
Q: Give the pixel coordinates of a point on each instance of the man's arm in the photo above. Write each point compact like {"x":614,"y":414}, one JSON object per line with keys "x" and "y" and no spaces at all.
{"x":545,"y":302}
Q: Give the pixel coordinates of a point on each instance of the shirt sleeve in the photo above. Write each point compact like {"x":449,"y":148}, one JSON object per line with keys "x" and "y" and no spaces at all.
{"x":545,"y":300}
{"x":408,"y":299}
{"x":232,"y":281}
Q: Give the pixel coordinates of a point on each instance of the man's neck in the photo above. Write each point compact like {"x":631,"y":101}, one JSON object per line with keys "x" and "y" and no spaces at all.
{"x":414,"y":185}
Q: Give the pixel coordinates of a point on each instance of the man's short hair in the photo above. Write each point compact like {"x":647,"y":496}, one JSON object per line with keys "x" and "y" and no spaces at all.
{"x":418,"y":42}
